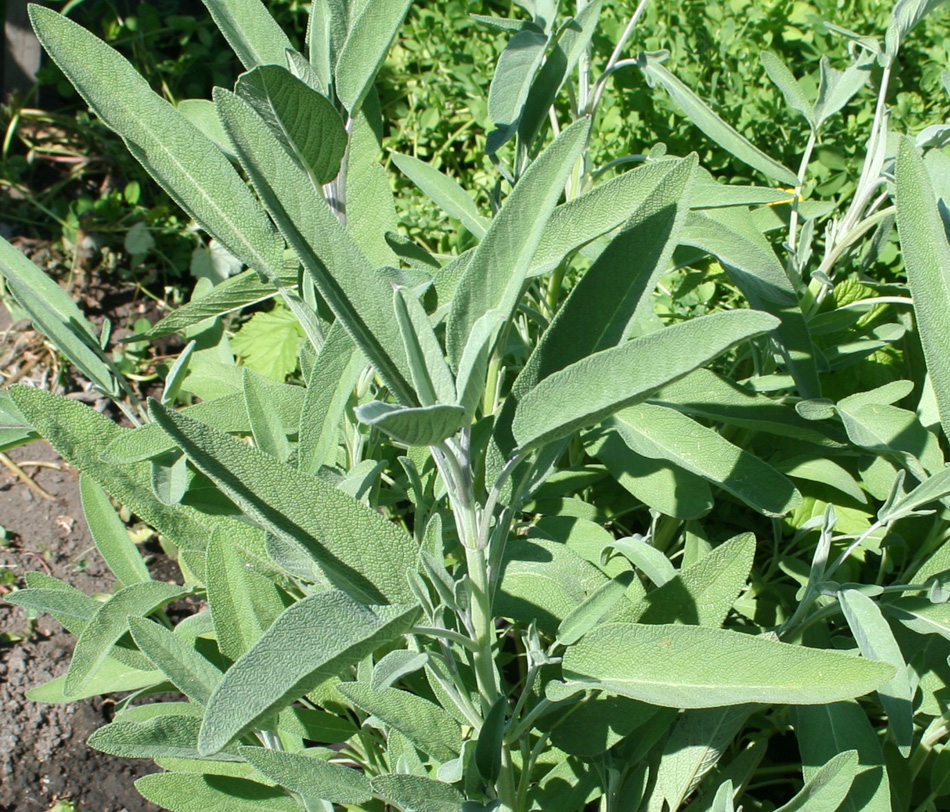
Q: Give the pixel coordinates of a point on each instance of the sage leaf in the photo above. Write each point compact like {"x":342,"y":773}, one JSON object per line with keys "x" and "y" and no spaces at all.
{"x":418,"y":793}
{"x":703,"y":593}
{"x":927,"y":257}
{"x":495,"y":275}
{"x":791,"y":88}
{"x":112,"y":676}
{"x":659,"y":432}
{"x":431,"y":377}
{"x":698,"y":741}
{"x":367,"y":43}
{"x":289,"y":660}
{"x":711,"y":124}
{"x":645,"y":557}
{"x":602,"y":209}
{"x":509,"y":88}
{"x":305,"y":122}
{"x":396,"y":665}
{"x":266,"y":425}
{"x":311,"y":777}
{"x":357,"y":547}
{"x":876,"y":641}
{"x":110,"y":622}
{"x":250,"y":30}
{"x":80,"y":434}
{"x":906,"y":14}
{"x":828,"y":787}
{"x":178,"y":660}
{"x":334,"y":377}
{"x":665,"y":487}
{"x":443,"y":191}
{"x":586,"y":616}
{"x":593,"y":388}
{"x":56,"y":315}
{"x":110,"y":535}
{"x":920,"y":615}
{"x":930,"y":490}
{"x":175,"y":152}
{"x":426,"y":425}
{"x":824,"y":732}
{"x":424,"y":723}
{"x":695,"y":667}
{"x":179,"y":792}
{"x":360,"y":298}
{"x":243,"y":602}
{"x":246,"y":288}
{"x":751,"y":263}
{"x":161,"y":736}
{"x":66,"y":604}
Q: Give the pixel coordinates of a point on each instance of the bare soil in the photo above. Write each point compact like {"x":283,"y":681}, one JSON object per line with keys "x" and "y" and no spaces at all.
{"x":43,"y":754}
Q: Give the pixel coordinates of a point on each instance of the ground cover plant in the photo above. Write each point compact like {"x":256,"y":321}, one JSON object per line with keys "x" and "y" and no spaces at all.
{"x":628,"y":497}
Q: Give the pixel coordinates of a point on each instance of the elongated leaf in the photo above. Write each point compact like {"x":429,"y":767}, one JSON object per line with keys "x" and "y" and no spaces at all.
{"x":312,"y":777}
{"x":825,"y":731}
{"x":111,"y":537}
{"x":712,"y":125}
{"x":582,"y":619}
{"x":694,"y":667}
{"x":752,"y":265}
{"x":418,"y":793}
{"x":394,"y":666}
{"x":227,"y":413}
{"x":591,"y":389}
{"x":56,"y":316}
{"x":877,"y":641}
{"x":827,"y":788}
{"x":250,"y":30}
{"x":495,"y":275}
{"x":367,"y":43}
{"x":907,"y":13}
{"x":837,"y":88}
{"x":658,"y":432}
{"x":598,"y":722}
{"x":663,"y":486}
{"x":335,"y":375}
{"x":266,"y":425}
{"x":512,"y":81}
{"x":289,"y":660}
{"x":177,"y":658}
{"x":544,"y":581}
{"x":355,"y":545}
{"x":426,"y":425}
{"x":80,"y":434}
{"x":444,"y":191}
{"x":698,"y":740}
{"x":110,"y":622}
{"x":645,"y":557}
{"x":66,"y":604}
{"x":600,"y":210}
{"x":703,"y":593}
{"x":304,"y":121}
{"x":424,"y":723}
{"x":705,"y":394}
{"x":180,"y":792}
{"x":361,"y":299}
{"x":175,"y":152}
{"x":243,"y":603}
{"x":112,"y":676}
{"x":927,"y":256}
{"x":162,"y":736}
{"x":791,"y":88}
{"x":430,"y":374}
{"x":246,"y":288}
{"x":932,"y":489}
{"x":920,"y":615}
{"x":617,"y":286}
